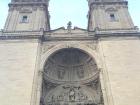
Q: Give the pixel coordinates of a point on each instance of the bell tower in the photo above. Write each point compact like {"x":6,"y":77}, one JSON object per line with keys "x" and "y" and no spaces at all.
{"x":109,"y":15}
{"x":27,"y":15}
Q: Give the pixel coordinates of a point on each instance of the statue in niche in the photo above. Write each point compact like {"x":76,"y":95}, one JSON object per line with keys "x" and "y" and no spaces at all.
{"x":42,"y":101}
{"x":61,"y":74}
{"x":72,"y":95}
{"x":53,"y":99}
{"x":60,"y":98}
{"x":80,"y":73}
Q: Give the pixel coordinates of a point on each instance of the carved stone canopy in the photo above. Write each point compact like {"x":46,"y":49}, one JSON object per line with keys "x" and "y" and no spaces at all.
{"x":71,"y":65}
{"x":71,"y":77}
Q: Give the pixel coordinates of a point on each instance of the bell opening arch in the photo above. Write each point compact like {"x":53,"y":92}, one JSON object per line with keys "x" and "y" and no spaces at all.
{"x":70,"y":76}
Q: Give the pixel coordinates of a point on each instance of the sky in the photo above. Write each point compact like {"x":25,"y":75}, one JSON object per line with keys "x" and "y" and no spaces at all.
{"x":62,"y":11}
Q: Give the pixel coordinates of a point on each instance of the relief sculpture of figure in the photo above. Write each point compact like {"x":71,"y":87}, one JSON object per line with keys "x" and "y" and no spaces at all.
{"x":61,"y":74}
{"x":80,"y":73}
{"x":69,"y":25}
{"x":42,"y":101}
{"x":72,"y":95}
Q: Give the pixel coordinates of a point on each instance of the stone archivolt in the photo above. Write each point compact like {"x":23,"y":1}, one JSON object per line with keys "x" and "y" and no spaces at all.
{"x":71,"y":77}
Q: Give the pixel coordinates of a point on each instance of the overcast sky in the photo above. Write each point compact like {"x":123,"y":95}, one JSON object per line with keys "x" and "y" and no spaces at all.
{"x":62,"y":11}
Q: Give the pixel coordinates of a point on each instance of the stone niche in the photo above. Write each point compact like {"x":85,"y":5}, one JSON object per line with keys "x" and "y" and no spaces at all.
{"x":71,"y":77}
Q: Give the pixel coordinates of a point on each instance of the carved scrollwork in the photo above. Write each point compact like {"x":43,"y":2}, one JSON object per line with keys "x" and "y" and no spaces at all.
{"x":92,"y":46}
{"x":110,"y":9}
{"x":80,"y":72}
{"x":47,"y":47}
{"x":70,"y":94}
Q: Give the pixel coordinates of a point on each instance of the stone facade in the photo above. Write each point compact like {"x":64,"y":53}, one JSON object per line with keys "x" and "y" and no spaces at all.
{"x":94,"y":66}
{"x":32,"y":16}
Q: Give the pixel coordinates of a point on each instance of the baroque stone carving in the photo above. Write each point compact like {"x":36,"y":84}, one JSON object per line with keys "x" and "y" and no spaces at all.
{"x":110,"y":9}
{"x":61,"y":73}
{"x":69,"y":25}
{"x":69,"y":94}
{"x":70,"y":65}
{"x":26,"y":10}
{"x":80,"y":72}
{"x":72,"y":94}
{"x":63,"y":77}
{"x":47,"y":47}
{"x":93,"y":46}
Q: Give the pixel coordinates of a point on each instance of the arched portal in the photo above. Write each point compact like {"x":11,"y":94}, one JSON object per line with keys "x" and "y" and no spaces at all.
{"x":71,"y":77}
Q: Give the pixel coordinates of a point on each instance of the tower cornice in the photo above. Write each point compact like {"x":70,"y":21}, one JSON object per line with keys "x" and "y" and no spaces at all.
{"x":107,"y":3}
{"x":29,"y":3}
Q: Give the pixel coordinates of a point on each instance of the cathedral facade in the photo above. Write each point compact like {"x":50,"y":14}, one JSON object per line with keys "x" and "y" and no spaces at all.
{"x":99,"y":65}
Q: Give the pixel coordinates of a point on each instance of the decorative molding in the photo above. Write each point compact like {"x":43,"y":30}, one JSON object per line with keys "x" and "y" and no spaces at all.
{"x":111,"y":9}
{"x":25,"y":10}
{"x":92,"y":45}
{"x":41,"y":7}
{"x":92,"y":36}
{"x":18,"y":8}
{"x":34,"y":8}
{"x":46,"y":47}
{"x":11,"y":8}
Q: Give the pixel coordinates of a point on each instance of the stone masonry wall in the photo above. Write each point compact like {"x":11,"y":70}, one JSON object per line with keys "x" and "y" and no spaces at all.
{"x":17,"y":66}
{"x":121,"y":60}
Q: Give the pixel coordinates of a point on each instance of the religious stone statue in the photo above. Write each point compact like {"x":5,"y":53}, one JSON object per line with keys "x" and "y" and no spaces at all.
{"x":61,"y":74}
{"x":69,"y":25}
{"x":80,"y":73}
{"x":72,"y":95}
{"x":42,"y":101}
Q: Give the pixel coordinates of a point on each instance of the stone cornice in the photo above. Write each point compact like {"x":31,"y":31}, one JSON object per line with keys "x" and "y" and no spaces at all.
{"x":51,"y":38}
{"x":28,"y":3}
{"x":13,"y":35}
{"x":46,"y":36}
{"x":117,"y":35}
{"x":108,"y":3}
{"x":19,"y":5}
